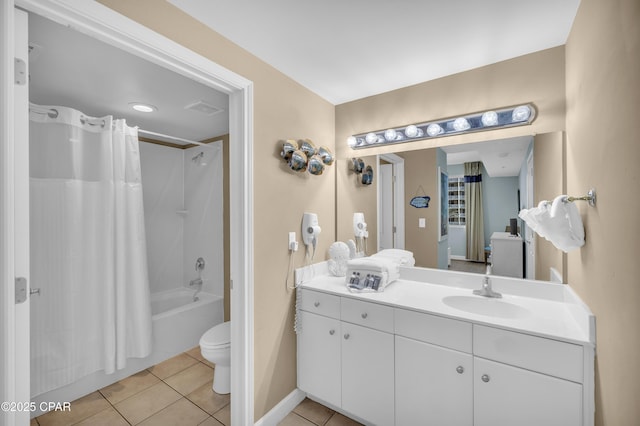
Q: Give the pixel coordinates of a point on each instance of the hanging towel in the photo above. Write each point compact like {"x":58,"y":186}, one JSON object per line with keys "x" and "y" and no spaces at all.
{"x":558,"y":222}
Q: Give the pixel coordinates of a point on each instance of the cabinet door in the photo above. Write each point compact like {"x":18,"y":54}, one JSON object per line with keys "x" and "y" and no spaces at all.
{"x":367,"y":374}
{"x":505,"y":395}
{"x":434,"y":385}
{"x":319,"y":357}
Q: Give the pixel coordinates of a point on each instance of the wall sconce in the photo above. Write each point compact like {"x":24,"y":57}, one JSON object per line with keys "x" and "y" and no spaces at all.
{"x":303,"y":155}
{"x":488,"y":120}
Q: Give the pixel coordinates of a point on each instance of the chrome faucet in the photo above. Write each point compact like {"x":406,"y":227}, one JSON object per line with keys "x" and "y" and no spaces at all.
{"x":486,"y":290}
{"x":198,"y":281}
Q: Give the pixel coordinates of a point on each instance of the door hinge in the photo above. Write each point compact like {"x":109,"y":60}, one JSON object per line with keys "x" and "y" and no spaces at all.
{"x":21,"y":290}
{"x":394,"y":230}
{"x":20,"y":72}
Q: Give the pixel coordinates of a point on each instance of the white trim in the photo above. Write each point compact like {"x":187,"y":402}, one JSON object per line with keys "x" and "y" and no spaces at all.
{"x":282,"y":409}
{"x":100,"y":22}
{"x":7,"y":236}
{"x":398,"y":198}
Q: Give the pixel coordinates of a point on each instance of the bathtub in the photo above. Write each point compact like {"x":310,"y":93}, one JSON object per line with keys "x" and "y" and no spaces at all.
{"x":178,"y":324}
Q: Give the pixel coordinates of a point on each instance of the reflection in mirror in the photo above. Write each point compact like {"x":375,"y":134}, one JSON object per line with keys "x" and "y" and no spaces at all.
{"x":508,"y":184}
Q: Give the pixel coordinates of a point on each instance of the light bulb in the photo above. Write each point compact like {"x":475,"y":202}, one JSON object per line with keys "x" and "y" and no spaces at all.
{"x":390,"y":135}
{"x":461,"y":124}
{"x":413,"y":132}
{"x":489,"y":118}
{"x":521,"y":113}
{"x":352,"y":141}
{"x":434,"y":129}
{"x":371,"y":138}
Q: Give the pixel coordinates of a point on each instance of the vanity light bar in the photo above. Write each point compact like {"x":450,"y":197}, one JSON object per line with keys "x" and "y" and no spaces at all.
{"x":494,"y":119}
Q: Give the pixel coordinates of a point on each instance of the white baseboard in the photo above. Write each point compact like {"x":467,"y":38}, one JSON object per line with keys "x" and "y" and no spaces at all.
{"x":284,"y":407}
{"x":457,"y":257}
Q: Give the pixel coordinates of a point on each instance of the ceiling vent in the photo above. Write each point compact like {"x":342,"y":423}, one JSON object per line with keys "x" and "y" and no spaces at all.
{"x":203,"y":108}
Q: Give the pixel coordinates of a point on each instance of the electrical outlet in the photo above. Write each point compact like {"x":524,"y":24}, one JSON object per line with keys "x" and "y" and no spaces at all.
{"x":422,"y":222}
{"x":293,"y":244}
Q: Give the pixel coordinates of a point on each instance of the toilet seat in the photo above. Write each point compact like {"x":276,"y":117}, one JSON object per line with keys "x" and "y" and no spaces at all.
{"x":217,"y":337}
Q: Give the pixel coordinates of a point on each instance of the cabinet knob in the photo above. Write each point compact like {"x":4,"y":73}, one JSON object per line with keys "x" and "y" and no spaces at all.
{"x":346,"y":336}
{"x":332,"y":332}
{"x":460,"y":369}
{"x":485,"y":378}
{"x":316,"y":304}
{"x":364,"y":316}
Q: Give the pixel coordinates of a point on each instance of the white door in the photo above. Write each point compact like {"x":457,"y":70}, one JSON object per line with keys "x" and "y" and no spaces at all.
{"x":385,"y":176}
{"x":434,"y":385}
{"x":367,"y":374}
{"x":505,"y":396}
{"x":529,"y":234}
{"x":14,"y":368}
{"x":319,"y":357}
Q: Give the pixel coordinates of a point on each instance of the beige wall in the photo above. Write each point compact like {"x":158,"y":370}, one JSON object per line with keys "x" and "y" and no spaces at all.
{"x":548,"y":182}
{"x":420,"y":169}
{"x":280,"y":196}
{"x":603,"y":109}
{"x":362,"y":198}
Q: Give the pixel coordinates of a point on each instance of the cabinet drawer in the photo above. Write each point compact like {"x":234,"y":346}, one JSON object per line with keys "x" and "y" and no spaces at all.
{"x":320,"y":303}
{"x":440,"y":331}
{"x":368,"y":314}
{"x":559,"y":359}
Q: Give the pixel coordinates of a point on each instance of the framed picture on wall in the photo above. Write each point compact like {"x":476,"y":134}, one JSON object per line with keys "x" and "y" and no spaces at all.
{"x":443,"y":192}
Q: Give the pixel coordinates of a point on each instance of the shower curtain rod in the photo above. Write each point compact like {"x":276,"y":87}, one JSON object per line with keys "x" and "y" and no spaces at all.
{"x":150,"y":133}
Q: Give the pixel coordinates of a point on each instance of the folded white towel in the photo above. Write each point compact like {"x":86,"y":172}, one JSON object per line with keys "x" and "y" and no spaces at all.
{"x":403,"y":257}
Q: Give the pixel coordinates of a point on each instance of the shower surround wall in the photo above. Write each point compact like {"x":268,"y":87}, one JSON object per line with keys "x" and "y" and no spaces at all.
{"x":183,"y":215}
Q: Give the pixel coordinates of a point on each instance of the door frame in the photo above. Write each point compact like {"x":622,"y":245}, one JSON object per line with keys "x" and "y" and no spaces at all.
{"x":398,"y":198}
{"x":105,"y":24}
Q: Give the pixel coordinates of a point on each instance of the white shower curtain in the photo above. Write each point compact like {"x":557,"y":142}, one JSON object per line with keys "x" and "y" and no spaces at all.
{"x":88,"y":247}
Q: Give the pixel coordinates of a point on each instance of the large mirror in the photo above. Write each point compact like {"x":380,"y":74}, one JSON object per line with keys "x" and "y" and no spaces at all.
{"x":514,"y":173}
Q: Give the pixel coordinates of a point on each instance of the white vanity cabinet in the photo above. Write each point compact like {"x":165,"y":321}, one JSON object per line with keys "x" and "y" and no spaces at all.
{"x":526,"y":380}
{"x":389,"y":362}
{"x":347,"y":363}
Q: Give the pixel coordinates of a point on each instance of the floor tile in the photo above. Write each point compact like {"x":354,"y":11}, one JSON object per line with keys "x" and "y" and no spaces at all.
{"x":339,"y":420}
{"x":81,"y":409}
{"x":129,"y":386}
{"x":108,"y":417}
{"x":190,"y":379}
{"x":180,"y":413}
{"x":224,"y":415}
{"x":210,"y":422}
{"x":205,"y":398}
{"x":148,"y":402}
{"x":172,"y":366}
{"x":314,"y":412}
{"x":195,"y":353}
{"x":34,"y":422}
{"x":293,"y":419}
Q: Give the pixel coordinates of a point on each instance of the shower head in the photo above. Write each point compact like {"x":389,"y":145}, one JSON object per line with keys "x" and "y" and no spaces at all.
{"x":199,"y":159}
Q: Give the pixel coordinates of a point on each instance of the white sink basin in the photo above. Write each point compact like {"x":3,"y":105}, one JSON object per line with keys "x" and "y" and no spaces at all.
{"x":487,"y":306}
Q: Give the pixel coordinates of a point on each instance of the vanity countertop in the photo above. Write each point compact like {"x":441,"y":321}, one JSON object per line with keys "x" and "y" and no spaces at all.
{"x":534,"y":307}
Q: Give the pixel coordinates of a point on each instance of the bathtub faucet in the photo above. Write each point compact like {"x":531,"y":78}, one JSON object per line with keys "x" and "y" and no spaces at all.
{"x":197,"y":281}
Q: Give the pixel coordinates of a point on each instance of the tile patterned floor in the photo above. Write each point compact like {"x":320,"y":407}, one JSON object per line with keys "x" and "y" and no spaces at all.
{"x":175,"y":392}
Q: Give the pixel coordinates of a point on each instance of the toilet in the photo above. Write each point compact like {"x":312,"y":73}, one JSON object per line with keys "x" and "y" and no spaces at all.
{"x":215,"y":346}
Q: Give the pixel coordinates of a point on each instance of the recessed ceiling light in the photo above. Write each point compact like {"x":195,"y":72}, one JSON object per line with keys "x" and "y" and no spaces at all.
{"x":139,"y":106}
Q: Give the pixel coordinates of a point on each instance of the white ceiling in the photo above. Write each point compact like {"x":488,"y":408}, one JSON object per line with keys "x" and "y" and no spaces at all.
{"x":501,"y":158}
{"x":349,"y":49}
{"x":70,"y":69}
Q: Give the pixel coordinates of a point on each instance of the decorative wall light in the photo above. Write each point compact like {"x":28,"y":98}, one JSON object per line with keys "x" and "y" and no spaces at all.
{"x":303,"y":155}
{"x":488,"y":120}
{"x":358,"y":166}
